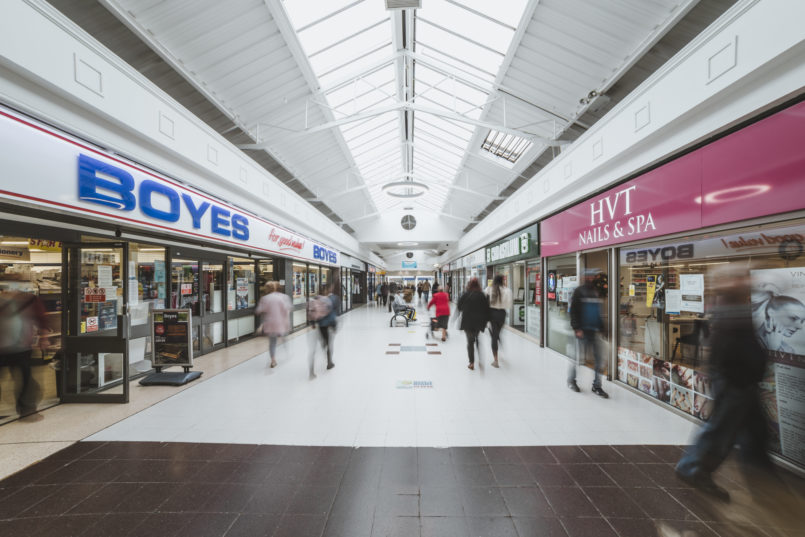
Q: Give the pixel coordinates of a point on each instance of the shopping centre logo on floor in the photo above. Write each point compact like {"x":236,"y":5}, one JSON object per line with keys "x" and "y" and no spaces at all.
{"x":411,"y":384}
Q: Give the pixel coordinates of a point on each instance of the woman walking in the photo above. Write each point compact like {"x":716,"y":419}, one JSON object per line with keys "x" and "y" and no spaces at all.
{"x":442,"y":303}
{"x":274,"y":309}
{"x":500,"y":302}
{"x":474,"y":308}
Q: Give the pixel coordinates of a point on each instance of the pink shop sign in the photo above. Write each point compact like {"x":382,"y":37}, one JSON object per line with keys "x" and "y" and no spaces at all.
{"x":662,"y":201}
{"x":754,"y":172}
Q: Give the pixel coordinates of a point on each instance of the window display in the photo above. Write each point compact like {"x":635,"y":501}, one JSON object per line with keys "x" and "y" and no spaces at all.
{"x":299,"y":296}
{"x":562,"y":278}
{"x":240,"y":284}
{"x":663,"y":314}
{"x":32,"y":268}
{"x":533,"y":299}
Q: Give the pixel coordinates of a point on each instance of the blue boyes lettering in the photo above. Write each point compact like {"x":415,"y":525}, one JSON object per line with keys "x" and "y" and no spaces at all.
{"x":110,"y":186}
{"x":324,"y":254}
{"x":94,"y":174}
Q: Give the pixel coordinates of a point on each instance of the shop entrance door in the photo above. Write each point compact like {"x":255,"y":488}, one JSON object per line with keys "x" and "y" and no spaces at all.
{"x":95,"y":368}
{"x":202,"y":292}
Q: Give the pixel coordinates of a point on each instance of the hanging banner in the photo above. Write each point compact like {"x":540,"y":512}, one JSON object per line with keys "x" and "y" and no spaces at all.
{"x":172,"y":336}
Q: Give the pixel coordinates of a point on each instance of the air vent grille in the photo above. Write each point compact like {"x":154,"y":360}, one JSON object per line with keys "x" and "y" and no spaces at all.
{"x":408,"y":222}
{"x":409,"y":255}
{"x":403,"y":4}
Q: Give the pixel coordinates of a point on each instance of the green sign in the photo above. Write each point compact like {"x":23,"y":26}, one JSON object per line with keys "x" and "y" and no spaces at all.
{"x":519,"y":245}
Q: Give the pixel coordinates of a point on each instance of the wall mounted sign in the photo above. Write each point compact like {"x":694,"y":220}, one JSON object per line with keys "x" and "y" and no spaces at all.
{"x":520,"y":245}
{"x":81,"y":179}
{"x":409,"y":264}
{"x":722,"y":182}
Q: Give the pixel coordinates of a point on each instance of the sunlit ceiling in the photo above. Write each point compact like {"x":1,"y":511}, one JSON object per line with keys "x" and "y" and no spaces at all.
{"x":460,"y":101}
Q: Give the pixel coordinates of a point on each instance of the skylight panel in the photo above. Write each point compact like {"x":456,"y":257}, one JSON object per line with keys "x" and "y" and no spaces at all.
{"x":354,"y":66}
{"x":472,"y":72}
{"x":508,"y":12}
{"x":458,"y":47}
{"x":479,"y":28}
{"x":505,"y":146}
{"x":304,"y":12}
{"x":328,"y":31}
{"x":353,"y":47}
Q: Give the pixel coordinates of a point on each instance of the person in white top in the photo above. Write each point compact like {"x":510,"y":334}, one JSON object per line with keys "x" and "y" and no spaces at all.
{"x":500,"y":302}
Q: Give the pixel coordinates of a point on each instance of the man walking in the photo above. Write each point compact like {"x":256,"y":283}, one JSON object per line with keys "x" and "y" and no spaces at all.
{"x":586,"y":322}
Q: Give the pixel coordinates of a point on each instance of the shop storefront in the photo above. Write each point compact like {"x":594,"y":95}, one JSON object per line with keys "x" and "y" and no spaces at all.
{"x":372,"y":279}
{"x":516,"y":258}
{"x":106,"y":240}
{"x":665,"y":237}
{"x":358,"y":281}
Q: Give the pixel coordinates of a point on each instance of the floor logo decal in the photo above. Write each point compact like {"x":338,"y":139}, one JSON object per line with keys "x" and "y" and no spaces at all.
{"x":412,"y":384}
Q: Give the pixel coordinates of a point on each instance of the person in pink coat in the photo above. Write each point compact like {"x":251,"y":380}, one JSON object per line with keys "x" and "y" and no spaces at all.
{"x":274,"y":309}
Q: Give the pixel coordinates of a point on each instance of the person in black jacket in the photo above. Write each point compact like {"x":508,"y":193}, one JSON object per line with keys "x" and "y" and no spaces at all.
{"x":474,"y":308}
{"x":737,"y":365}
{"x":586,"y":322}
{"x":391,"y":293}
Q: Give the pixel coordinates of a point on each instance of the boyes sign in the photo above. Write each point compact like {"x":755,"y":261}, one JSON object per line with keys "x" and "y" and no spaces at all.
{"x":111,"y":186}
{"x":176,"y":208}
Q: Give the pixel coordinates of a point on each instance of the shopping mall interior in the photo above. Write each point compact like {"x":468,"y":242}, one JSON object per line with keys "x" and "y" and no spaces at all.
{"x":402,"y":268}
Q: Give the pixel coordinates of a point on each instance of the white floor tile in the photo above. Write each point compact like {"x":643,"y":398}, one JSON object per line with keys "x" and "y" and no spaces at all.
{"x":411,"y":399}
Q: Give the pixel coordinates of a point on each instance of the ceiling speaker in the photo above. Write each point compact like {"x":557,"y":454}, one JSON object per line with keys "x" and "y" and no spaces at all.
{"x":409,"y":255}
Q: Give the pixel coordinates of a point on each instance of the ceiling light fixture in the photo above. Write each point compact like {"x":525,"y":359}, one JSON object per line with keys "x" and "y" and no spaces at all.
{"x":407,"y":243}
{"x":405,"y":189}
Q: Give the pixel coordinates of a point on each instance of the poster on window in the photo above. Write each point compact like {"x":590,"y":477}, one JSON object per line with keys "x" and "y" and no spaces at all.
{"x":692,"y":287}
{"x":242,"y":291}
{"x":778,"y":315}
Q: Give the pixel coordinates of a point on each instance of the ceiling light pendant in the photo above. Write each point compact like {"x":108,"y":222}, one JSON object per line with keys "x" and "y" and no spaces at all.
{"x":405,"y":189}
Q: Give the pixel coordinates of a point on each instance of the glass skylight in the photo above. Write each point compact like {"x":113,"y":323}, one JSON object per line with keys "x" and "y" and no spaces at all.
{"x":505,"y":146}
{"x":461,"y":46}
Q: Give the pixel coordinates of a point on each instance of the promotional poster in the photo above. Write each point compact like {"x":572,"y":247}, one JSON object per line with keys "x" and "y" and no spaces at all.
{"x":778,"y":315}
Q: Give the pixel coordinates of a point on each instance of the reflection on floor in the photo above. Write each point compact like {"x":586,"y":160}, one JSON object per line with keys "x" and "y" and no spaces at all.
{"x":215,"y":490}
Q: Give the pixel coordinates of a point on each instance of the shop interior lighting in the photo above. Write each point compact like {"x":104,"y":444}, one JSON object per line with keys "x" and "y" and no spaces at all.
{"x":15,"y":243}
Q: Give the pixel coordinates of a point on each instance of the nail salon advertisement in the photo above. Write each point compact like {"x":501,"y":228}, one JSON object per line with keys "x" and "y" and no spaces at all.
{"x":778,"y":315}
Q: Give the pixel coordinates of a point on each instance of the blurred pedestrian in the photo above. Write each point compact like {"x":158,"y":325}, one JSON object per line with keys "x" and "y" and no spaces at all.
{"x":442,"y":303}
{"x":378,"y":293}
{"x":384,"y":291}
{"x":474,"y":308}
{"x":500,"y":302}
{"x":426,"y":290}
{"x":22,"y":325}
{"x":587,"y":323}
{"x":274,"y":309}
{"x":322,"y":312}
{"x":392,"y":292}
{"x":419,"y":292}
{"x":737,"y":364}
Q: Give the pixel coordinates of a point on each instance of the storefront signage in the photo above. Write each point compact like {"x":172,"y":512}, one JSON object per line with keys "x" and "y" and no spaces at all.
{"x":408,"y":264}
{"x":14,"y":252}
{"x":512,"y":247}
{"x":520,"y":245}
{"x":45,"y":245}
{"x":171,"y":334}
{"x":286,"y":241}
{"x":720,"y":183}
{"x":357,"y":265}
{"x":80,"y":179}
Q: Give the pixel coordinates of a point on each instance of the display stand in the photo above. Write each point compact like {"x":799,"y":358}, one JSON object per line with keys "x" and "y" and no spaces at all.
{"x":172,"y":345}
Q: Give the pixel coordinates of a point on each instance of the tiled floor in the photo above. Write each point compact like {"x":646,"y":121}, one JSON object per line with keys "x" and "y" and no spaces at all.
{"x":214,"y":490}
{"x":414,"y":398}
{"x":360,"y":451}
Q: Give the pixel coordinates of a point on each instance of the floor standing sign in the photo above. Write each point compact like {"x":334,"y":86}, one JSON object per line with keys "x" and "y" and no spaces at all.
{"x":172,"y":345}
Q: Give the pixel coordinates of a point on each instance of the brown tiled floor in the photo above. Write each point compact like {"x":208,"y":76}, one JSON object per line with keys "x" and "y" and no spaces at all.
{"x":199,"y":490}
